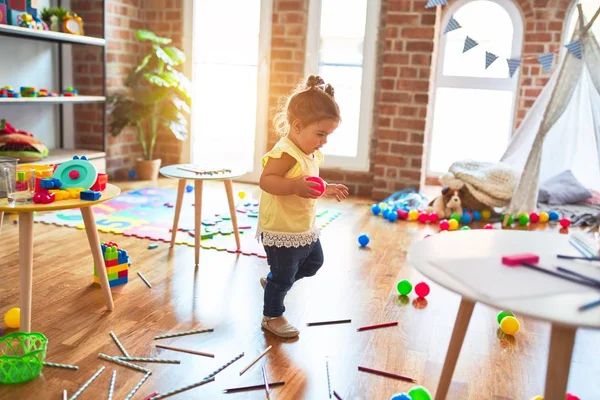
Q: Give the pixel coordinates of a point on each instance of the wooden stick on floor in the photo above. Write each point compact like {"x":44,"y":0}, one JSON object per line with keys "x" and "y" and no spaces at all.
{"x":261,"y":355}
{"x":198,"y":353}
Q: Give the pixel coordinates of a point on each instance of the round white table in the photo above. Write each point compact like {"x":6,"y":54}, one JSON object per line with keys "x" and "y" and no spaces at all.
{"x":558,"y":309}
{"x":185,"y":172}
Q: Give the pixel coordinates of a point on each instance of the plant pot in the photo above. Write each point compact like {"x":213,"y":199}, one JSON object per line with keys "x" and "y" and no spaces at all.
{"x":147,"y":170}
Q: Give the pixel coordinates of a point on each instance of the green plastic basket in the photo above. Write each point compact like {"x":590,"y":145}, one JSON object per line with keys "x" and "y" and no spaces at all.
{"x":22,"y":356}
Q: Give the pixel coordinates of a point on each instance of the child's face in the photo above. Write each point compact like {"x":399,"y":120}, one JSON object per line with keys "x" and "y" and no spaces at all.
{"x":314,"y":136}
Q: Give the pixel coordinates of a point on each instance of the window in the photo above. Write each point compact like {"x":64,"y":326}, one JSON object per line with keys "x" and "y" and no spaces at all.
{"x":341,"y":46}
{"x":473,"y":107}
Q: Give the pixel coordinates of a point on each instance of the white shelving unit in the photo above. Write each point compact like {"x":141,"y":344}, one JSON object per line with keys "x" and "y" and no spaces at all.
{"x":53,"y":100}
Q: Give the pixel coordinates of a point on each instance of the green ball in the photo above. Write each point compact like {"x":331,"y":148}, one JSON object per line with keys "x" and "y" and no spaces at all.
{"x":503,"y":314}
{"x":465,"y":228}
{"x":455,"y":216}
{"x":523,"y":219}
{"x":419,"y":393}
{"x":404,"y":287}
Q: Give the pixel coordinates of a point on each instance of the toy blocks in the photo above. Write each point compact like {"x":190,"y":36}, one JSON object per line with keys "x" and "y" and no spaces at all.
{"x":101,"y":182}
{"x":116,"y":262}
{"x":90,"y":195}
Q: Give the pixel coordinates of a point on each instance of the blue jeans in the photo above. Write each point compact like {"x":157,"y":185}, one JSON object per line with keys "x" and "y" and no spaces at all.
{"x":288,"y":264}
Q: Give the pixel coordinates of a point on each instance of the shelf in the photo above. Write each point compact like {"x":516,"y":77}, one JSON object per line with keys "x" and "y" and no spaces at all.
{"x":58,"y":156}
{"x":53,"y":100}
{"x":49,"y":36}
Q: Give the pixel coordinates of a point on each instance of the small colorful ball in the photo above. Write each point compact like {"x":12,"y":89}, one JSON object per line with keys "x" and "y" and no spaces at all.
{"x":444,"y":225}
{"x":189,"y":188}
{"x":565,"y":223}
{"x":486,"y":214}
{"x":319,"y":181}
{"x":511,"y":219}
{"x":453,"y":225}
{"x":523,"y":219}
{"x":375,"y":209}
{"x":534,"y":218}
{"x":465,"y":228}
{"x":572,"y":397}
{"x":404,"y":287}
{"x":385,"y":213}
{"x":509,"y":325}
{"x":413,"y":215}
{"x":433,"y":217}
{"x":383,"y":206}
{"x":392,"y":216}
{"x":466,"y":219}
{"x":400,"y":396}
{"x":423,"y":218}
{"x":241,"y":195}
{"x":419,"y":393}
{"x":544,"y":217}
{"x":12,"y":318}
{"x":488,"y":226}
{"x":402,"y":214}
{"x":422,"y":289}
{"x":455,"y":216}
{"x":553,"y":216}
{"x":537,"y":398}
{"x":364,"y":240}
{"x":476,"y":216}
{"x":503,"y":314}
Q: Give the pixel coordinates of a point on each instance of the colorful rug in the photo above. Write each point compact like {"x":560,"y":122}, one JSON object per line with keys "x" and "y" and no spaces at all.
{"x":148,"y":214}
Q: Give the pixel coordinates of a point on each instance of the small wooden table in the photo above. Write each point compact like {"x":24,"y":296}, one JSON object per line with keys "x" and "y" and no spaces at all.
{"x":181,"y":172}
{"x":558,"y":309}
{"x":25,"y":212}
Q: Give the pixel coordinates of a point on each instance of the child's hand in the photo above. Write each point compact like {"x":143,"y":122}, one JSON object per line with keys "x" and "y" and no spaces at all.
{"x":340,"y":192}
{"x":306,"y":189}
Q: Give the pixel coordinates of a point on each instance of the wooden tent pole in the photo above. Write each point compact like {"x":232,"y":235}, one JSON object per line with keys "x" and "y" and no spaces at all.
{"x":589,"y":25}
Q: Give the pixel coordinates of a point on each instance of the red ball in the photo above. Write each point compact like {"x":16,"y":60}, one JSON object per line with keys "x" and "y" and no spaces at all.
{"x":534,"y":218}
{"x":572,"y":397}
{"x":402,"y":214}
{"x":433,"y":217}
{"x":74,"y":174}
{"x":488,"y":226}
{"x":315,"y":179}
{"x":444,"y":225}
{"x":422,"y":289}
{"x":565,"y":223}
{"x":423,"y":218}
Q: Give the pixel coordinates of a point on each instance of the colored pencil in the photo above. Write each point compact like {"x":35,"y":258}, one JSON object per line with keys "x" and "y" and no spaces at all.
{"x":577,"y":274}
{"x":112,"y":335}
{"x":589,"y":305}
{"x":267,"y":388}
{"x":177,"y":334}
{"x":386,"y":374}
{"x":369,"y":327}
{"x":144,"y":279}
{"x":261,"y":355}
{"x":564,"y":257}
{"x":88,"y":383}
{"x":183,"y":389}
{"x":123,"y":363}
{"x":341,"y":321}
{"x":198,"y":353}
{"x":337,"y":396}
{"x":111,"y":386}
{"x":254,"y":387}
{"x":56,"y":365}
{"x":556,"y":274}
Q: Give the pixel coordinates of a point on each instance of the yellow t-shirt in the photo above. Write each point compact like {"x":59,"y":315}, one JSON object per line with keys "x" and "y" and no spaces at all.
{"x":289,"y":221}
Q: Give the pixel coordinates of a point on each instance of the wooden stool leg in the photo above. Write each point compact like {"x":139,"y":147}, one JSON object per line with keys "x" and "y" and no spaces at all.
{"x":458,"y":336}
{"x":562,"y":339}
{"x":180,"y":192}
{"x":198,"y":224}
{"x":92,"y":235}
{"x":236,"y":232}
{"x":25,"y":268}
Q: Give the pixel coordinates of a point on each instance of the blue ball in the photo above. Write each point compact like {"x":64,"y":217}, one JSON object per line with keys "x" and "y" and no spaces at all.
{"x":189,"y":188}
{"x":477,"y":215}
{"x":553,"y":216}
{"x":363,"y":240}
{"x":465,"y":219}
{"x":385,"y":213}
{"x":401,"y":396}
{"x":375,"y":209}
{"x":392,"y":216}
{"x":132,"y":174}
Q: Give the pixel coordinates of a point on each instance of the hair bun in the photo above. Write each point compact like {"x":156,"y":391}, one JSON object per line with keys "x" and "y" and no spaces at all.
{"x":315,"y":82}
{"x":329,"y":90}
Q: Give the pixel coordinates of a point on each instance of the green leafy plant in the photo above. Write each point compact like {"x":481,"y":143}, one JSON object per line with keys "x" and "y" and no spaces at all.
{"x":156,"y":95}
{"x":50,"y":11}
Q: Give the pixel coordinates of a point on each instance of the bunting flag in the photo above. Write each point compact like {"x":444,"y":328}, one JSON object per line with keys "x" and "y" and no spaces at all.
{"x":452,"y":25}
{"x":513,"y":64}
{"x":575,"y":48}
{"x":433,"y":3}
{"x":546,"y":61}
{"x":469,"y":44}
{"x":489,"y":59}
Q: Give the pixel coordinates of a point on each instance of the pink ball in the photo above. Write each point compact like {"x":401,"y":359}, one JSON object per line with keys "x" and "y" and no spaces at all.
{"x":423,"y":218}
{"x":402,"y":214}
{"x":444,"y":225}
{"x":534,"y":218}
{"x":572,"y":397}
{"x":433,"y":217}
{"x":488,"y":226}
{"x":422,"y":289}
{"x":565,"y":223}
{"x":321,"y":187}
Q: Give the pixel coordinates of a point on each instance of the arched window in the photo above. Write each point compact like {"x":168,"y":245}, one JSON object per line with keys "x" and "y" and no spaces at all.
{"x":473,"y":107}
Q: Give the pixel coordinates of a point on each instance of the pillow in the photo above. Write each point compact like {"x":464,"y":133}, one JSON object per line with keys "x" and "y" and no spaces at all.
{"x":563,"y":188}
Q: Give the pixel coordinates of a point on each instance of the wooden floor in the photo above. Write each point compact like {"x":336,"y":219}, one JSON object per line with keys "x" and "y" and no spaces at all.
{"x":224,"y":294}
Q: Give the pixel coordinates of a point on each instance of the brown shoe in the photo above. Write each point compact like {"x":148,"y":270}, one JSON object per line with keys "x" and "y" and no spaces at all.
{"x":279,"y":326}
{"x":263,"y":282}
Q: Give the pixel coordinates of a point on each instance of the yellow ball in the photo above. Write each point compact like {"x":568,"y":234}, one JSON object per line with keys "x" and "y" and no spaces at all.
{"x":242,"y":195}
{"x":453,"y":225}
{"x":12,"y":318}
{"x":537,"y":398}
{"x":413,"y":215}
{"x":509,"y":325}
{"x":486,"y":214}
{"x":544,"y":217}
{"x":383,"y":206}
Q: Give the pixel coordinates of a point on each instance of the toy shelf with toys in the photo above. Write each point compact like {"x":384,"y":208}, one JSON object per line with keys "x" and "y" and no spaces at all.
{"x":54,"y":100}
{"x":57,"y":37}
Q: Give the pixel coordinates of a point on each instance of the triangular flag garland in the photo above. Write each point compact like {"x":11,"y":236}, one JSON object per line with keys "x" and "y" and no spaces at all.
{"x":469,"y":44}
{"x":513,"y":64}
{"x":546,"y":61}
{"x":433,"y":3}
{"x":575,"y":48}
{"x":452,"y":25}
{"x":489,"y":59}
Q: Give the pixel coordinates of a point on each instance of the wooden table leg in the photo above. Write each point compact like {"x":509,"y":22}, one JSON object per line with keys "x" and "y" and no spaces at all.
{"x":236,"y":231}
{"x":461,"y":324}
{"x":1,"y":219}
{"x":198,"y":224}
{"x":562,"y":339}
{"x":25,"y":268}
{"x":180,"y":192}
{"x":92,"y":235}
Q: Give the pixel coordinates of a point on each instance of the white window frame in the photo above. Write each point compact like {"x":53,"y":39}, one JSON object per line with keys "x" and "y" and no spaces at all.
{"x":361,"y":161}
{"x":471,"y":82}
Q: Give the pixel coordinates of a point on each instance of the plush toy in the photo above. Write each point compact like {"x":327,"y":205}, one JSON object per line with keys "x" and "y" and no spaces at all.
{"x":20,"y":144}
{"x":448,"y":203}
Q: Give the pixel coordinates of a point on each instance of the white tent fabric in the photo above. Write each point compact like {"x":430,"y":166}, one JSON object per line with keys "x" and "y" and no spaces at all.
{"x":562,"y":129}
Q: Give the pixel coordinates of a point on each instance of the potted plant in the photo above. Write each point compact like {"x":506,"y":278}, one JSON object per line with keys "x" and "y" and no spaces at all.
{"x":59,"y":13}
{"x":156,"y":97}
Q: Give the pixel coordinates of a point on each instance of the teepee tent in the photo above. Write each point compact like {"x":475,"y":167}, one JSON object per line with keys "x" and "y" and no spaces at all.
{"x":561,"y":131}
